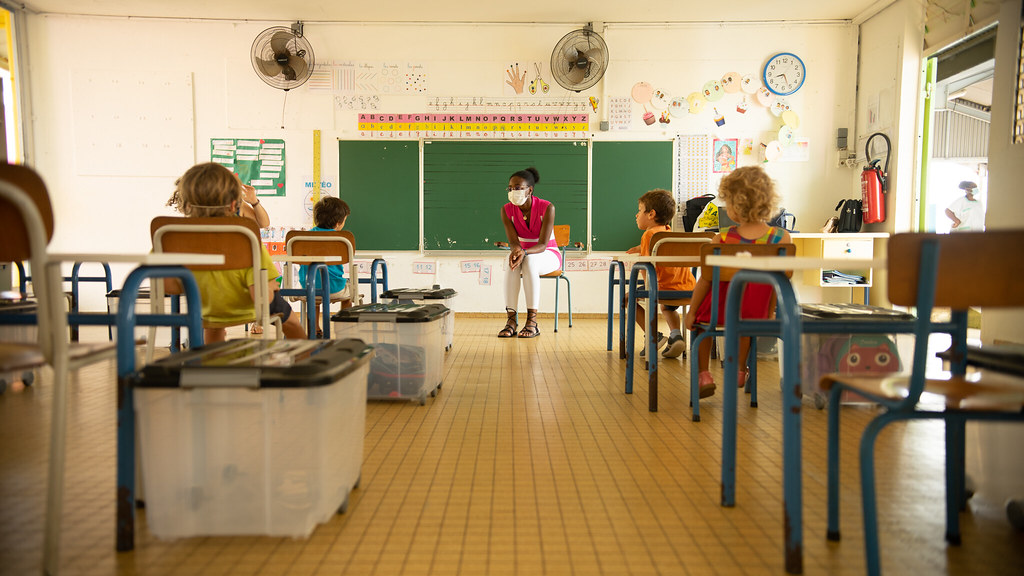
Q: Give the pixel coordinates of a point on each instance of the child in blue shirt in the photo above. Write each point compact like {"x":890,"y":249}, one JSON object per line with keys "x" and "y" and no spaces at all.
{"x":329,"y":215}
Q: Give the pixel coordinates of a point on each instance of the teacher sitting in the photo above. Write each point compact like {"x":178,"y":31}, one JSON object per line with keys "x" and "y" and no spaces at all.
{"x":529,"y":224}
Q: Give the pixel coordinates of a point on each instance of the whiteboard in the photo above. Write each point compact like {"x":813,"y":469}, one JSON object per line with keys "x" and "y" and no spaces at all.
{"x":130,"y":123}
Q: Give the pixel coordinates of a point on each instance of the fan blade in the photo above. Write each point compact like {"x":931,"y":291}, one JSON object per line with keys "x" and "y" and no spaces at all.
{"x":279,"y":42}
{"x":571,"y":54}
{"x":595,"y":55}
{"x":298,"y":66}
{"x":269,"y":68}
{"x":576,"y":75}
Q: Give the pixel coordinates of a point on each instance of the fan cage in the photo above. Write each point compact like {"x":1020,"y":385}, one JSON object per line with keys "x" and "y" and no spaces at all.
{"x":584,"y":40}
{"x":262,"y":50}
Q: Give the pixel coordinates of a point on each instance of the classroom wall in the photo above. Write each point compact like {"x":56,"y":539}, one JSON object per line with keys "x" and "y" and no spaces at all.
{"x":110,"y":172}
{"x":888,"y":99}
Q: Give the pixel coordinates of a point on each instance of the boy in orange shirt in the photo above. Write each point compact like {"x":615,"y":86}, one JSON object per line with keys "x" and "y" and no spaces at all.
{"x":655,"y":211}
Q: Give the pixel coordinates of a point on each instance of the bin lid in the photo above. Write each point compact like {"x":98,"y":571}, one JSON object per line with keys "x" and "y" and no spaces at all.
{"x":257,"y":363}
{"x":15,"y":303}
{"x":850,"y":311}
{"x":391,"y":312}
{"x":419,"y":293}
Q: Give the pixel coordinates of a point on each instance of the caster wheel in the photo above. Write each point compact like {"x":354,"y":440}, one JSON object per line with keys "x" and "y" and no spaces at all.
{"x":820,"y":401}
{"x":359,"y":481}
{"x":3,"y":386}
{"x":344,"y":506}
{"x":1015,"y":514}
{"x":28,"y":377}
{"x":423,"y":400}
{"x":433,"y":393}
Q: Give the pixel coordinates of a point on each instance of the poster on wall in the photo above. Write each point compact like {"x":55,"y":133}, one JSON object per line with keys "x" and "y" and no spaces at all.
{"x":257,"y":162}
{"x":725,"y":155}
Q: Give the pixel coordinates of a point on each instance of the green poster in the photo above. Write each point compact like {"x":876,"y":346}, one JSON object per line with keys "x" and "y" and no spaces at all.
{"x":258,"y":162}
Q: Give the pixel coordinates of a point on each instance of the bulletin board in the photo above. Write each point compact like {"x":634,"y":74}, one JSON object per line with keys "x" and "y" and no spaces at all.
{"x":117,"y":130}
{"x":259,"y":162}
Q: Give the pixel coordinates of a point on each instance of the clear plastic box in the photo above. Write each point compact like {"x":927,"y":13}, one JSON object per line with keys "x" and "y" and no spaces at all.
{"x":263,"y":438}
{"x":850,"y":354}
{"x":409,"y":347}
{"x":435,"y":295}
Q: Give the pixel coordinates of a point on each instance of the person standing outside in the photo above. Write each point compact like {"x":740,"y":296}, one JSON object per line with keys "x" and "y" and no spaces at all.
{"x":967,"y":212}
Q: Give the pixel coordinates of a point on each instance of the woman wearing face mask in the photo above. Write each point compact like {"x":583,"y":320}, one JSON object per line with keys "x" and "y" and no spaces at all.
{"x":529,"y":224}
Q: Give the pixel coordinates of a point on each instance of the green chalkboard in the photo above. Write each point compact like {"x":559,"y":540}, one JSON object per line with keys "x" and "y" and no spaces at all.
{"x":379,"y":180}
{"x":622,"y":173}
{"x":464,"y":186}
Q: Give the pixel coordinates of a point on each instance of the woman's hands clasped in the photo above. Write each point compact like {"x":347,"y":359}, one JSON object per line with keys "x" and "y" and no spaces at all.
{"x":515,"y":258}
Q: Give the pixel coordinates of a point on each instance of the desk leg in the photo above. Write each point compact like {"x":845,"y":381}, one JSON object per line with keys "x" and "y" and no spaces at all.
{"x":622,"y":310}
{"x":611,"y":303}
{"x":652,"y":341}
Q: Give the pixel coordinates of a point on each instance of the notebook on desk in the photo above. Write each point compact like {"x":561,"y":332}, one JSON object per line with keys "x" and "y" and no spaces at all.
{"x":851,"y":311}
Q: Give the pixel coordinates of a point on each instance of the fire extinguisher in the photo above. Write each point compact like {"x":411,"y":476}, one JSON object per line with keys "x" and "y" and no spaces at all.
{"x":874,"y":182}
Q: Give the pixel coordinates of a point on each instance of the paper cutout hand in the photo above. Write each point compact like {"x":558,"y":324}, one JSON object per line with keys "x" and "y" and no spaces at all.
{"x":514,"y":80}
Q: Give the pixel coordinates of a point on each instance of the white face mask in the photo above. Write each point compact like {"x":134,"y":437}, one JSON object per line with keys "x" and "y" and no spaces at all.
{"x":517,"y":197}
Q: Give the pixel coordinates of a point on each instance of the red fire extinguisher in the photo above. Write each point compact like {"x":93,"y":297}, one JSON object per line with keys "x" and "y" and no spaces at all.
{"x":874,"y":183}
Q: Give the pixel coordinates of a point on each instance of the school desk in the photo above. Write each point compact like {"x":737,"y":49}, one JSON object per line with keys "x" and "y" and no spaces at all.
{"x":317,"y":265}
{"x":377,"y":260}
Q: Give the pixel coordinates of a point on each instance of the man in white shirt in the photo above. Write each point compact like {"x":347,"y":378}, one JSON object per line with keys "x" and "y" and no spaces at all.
{"x":967,"y":213}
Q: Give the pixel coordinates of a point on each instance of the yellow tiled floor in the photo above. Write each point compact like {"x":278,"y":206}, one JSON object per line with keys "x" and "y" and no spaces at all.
{"x":530,"y":461}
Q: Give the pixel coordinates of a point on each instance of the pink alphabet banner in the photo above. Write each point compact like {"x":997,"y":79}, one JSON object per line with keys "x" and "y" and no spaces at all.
{"x":575,"y":125}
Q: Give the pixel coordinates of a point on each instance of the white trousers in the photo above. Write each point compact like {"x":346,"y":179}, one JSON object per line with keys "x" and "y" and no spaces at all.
{"x":528,"y":274}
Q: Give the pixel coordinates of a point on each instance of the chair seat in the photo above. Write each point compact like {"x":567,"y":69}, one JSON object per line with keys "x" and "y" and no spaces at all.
{"x":980,"y":390}
{"x":554,"y":274}
{"x":318,"y":299}
{"x":674,"y":302}
{"x":274,"y":319}
{"x":16,"y":356}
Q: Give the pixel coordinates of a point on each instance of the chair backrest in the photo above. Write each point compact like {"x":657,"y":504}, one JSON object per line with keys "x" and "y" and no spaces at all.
{"x":341,"y":243}
{"x":561,"y":235}
{"x":679,"y":244}
{"x":213,"y":235}
{"x":16,"y":245}
{"x":973,"y":269}
{"x":238,"y":239}
{"x":26,"y":227}
{"x":726,"y":274}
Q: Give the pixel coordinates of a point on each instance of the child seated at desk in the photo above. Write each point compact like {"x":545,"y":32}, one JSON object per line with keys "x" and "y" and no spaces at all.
{"x":750,"y":199}
{"x":212,"y":190}
{"x":329,"y":215}
{"x":654,"y":213}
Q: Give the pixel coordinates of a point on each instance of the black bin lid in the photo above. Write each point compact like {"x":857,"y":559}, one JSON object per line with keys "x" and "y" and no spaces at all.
{"x":257,"y":363}
{"x":436,"y":293}
{"x":391,"y":312}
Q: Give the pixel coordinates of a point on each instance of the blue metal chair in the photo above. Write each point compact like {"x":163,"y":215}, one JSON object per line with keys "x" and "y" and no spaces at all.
{"x":561,"y":232}
{"x":928,"y":271}
{"x":685,"y":245}
{"x":716,"y":325}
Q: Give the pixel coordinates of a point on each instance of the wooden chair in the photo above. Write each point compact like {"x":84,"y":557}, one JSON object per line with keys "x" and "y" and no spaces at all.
{"x":715,"y":326}
{"x":238,"y":239}
{"x":26,"y":227}
{"x":934,"y":270}
{"x":679,"y":244}
{"x":308,"y":243}
{"x":561,"y":232}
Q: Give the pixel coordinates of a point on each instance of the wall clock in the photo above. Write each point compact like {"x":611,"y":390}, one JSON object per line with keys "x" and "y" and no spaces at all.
{"x":784,"y":73}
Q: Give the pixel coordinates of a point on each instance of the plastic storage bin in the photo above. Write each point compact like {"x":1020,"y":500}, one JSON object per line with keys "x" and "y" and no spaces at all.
{"x":11,"y":330}
{"x":435,"y":295}
{"x":251,"y":436}
{"x":408,"y":344}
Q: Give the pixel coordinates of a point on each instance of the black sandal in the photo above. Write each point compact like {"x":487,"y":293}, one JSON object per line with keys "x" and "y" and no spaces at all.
{"x":530,"y":329}
{"x":509,"y":331}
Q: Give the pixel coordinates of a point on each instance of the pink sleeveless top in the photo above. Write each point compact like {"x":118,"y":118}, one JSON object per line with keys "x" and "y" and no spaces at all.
{"x":530,"y":236}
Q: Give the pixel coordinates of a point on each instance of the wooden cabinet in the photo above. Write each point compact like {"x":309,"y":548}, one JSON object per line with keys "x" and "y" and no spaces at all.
{"x":856,"y":245}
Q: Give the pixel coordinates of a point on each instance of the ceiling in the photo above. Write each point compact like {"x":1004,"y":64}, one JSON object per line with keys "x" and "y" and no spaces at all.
{"x":615,"y":11}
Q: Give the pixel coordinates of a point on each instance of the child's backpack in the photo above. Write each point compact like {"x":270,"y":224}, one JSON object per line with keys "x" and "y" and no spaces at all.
{"x":692,"y":210}
{"x":851,"y":215}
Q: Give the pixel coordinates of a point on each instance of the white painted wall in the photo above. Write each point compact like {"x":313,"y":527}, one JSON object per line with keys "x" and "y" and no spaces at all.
{"x":112,"y":213}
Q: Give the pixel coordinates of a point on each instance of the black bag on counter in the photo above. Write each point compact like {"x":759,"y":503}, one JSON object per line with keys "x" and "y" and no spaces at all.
{"x":851,"y":216}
